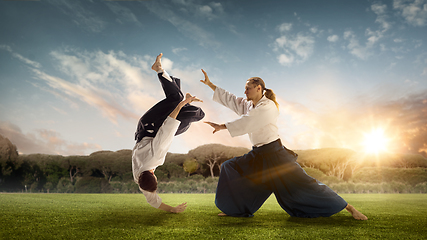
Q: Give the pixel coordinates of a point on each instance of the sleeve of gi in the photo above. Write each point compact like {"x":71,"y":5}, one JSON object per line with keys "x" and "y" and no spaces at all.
{"x":264,"y":114}
{"x":152,"y":198}
{"x":237,"y":104}
{"x":163,"y":139}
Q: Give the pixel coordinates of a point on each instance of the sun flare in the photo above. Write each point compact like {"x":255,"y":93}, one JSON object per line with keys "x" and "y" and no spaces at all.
{"x":375,"y":141}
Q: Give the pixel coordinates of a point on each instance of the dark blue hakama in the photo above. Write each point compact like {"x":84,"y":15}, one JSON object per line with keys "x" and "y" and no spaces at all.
{"x":246,"y":182}
{"x":152,"y":120}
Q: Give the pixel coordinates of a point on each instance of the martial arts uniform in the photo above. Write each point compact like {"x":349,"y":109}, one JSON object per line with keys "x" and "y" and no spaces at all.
{"x":156,"y":130}
{"x":246,"y":182}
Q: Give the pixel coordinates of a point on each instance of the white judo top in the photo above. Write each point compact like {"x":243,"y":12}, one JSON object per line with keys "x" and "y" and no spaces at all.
{"x":150,"y":153}
{"x":259,"y":121}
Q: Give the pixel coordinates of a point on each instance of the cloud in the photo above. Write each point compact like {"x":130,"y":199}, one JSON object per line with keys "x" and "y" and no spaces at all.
{"x":293,"y":48}
{"x":80,"y":15}
{"x":414,"y":12}
{"x":43,"y":141}
{"x":403,"y":119}
{"x":178,"y":50}
{"x":168,"y":12}
{"x":96,"y":97}
{"x":123,"y":14}
{"x":20,"y":57}
{"x":314,"y":30}
{"x":373,"y":37}
{"x":333,"y":38}
{"x":381,"y":11}
{"x":284,"y":27}
{"x":354,"y":46}
{"x":114,"y":83}
{"x":409,"y":116}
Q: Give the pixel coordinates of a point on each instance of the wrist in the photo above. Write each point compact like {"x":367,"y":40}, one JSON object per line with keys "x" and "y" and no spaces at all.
{"x":211,"y":85}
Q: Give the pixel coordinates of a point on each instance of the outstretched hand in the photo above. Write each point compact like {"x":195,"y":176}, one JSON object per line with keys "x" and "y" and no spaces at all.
{"x":190,"y":99}
{"x":207,"y":81}
{"x":179,"y":208}
{"x":216,"y":126}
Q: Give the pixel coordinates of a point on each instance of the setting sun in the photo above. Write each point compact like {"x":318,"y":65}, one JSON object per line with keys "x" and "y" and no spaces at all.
{"x":375,"y":141}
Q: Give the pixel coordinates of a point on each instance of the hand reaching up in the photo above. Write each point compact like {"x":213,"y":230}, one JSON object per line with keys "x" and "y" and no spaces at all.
{"x":207,"y":81}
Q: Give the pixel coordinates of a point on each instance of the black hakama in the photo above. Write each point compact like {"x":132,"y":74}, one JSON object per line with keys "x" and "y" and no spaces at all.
{"x":246,"y":182}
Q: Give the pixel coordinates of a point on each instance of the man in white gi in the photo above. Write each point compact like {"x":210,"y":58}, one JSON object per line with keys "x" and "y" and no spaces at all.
{"x":245,"y":182}
{"x":156,"y":129}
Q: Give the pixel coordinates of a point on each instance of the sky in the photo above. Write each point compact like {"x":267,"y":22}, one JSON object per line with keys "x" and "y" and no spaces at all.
{"x":75,"y":76}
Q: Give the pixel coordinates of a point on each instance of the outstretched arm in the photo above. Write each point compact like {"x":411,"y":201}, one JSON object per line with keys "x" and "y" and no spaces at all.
{"x":188,"y":99}
{"x":207,"y":81}
{"x":216,"y":126}
{"x":177,"y":209}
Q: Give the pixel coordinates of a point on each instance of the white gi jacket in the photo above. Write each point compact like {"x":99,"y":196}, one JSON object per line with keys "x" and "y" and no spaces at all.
{"x":259,"y":122}
{"x":149,"y":153}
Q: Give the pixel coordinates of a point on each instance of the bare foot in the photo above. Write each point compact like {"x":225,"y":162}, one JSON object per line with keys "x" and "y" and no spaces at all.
{"x":157,"y":65}
{"x":222,"y":214}
{"x":356,"y":214}
{"x":192,"y":98}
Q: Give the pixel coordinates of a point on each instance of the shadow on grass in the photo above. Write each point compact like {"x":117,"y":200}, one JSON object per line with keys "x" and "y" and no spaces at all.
{"x":157,"y":218}
{"x":275,"y":218}
{"x":342,"y":221}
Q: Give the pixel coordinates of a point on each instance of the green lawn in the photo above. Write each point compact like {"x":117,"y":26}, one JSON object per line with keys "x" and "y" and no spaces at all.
{"x":128,"y":216}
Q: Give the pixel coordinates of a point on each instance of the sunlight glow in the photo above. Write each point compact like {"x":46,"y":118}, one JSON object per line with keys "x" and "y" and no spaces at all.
{"x":375,"y":141}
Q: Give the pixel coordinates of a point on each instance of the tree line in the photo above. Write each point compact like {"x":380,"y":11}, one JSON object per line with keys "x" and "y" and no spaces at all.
{"x":196,"y":171}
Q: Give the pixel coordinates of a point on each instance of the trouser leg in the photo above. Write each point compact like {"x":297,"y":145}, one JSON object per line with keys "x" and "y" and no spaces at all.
{"x":237,"y":195}
{"x":151,"y":121}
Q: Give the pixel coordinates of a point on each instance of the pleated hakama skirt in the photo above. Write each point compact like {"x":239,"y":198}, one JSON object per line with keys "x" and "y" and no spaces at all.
{"x":246,"y":182}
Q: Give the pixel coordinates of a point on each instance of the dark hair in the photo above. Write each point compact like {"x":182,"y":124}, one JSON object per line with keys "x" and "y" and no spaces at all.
{"x":268,"y":92}
{"x":147,"y":181}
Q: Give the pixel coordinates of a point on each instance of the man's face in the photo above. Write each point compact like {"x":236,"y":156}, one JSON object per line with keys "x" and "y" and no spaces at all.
{"x":251,"y":91}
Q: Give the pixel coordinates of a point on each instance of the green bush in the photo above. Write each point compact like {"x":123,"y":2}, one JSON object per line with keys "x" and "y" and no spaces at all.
{"x":188,"y":185}
{"x":172,"y":170}
{"x":117,"y":187}
{"x":197,"y":177}
{"x":64,"y":186}
{"x":48,"y":187}
{"x":411,"y":176}
{"x":212,"y":179}
{"x":384,"y":187}
{"x":92,"y":185}
{"x":420,"y":188}
{"x":161,"y":175}
{"x":319,"y":175}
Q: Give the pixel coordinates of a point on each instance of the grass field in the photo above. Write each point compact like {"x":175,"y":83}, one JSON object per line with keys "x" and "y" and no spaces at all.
{"x":128,"y":216}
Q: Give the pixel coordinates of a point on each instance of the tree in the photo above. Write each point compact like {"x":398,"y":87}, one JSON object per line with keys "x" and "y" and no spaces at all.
{"x":92,"y":185}
{"x":9,"y":165}
{"x":171,"y":170}
{"x":177,"y":158}
{"x":107,"y":163}
{"x":331,"y":161}
{"x":190,"y":166}
{"x":214,"y":154}
{"x":76,"y":166}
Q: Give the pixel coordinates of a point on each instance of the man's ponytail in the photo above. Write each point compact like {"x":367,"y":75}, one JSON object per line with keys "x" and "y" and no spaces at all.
{"x":271,"y":95}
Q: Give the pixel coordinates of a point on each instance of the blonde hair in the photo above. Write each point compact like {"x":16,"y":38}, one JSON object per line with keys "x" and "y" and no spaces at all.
{"x":268,"y":92}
